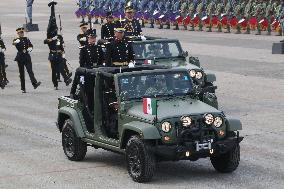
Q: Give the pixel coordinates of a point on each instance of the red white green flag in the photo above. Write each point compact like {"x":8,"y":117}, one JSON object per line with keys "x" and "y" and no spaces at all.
{"x":149,"y":106}
{"x":149,"y":61}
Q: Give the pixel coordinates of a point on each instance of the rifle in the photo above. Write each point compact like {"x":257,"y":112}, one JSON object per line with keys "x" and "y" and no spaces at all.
{"x":90,"y":21}
{"x":60,"y":25}
{"x":0,"y":31}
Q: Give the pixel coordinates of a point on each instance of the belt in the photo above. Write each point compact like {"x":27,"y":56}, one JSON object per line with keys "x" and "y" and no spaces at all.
{"x":54,"y":51}
{"x":120,"y":63}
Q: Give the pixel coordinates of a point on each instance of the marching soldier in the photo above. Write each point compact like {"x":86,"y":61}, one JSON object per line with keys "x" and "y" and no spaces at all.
{"x":131,"y":25}
{"x":23,"y":58}
{"x":91,"y":55}
{"x":238,"y":14}
{"x":82,"y":38}
{"x":3,"y":79}
{"x":280,"y":16}
{"x":259,"y":11}
{"x":119,"y":51}
{"x":107,"y":30}
{"x":191,"y":11}
{"x":209,"y":11}
{"x":227,"y":11}
{"x":248,"y":10}
{"x":56,"y":55}
{"x":268,"y":15}
{"x":218,"y":12}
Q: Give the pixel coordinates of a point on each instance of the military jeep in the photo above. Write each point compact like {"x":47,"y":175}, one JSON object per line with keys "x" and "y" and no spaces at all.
{"x":149,"y":114}
{"x":169,"y":52}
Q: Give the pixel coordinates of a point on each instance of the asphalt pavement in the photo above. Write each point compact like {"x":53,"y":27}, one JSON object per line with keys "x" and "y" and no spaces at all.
{"x":250,"y":84}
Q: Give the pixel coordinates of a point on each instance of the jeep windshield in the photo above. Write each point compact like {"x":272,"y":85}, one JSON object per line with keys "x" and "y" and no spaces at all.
{"x":159,"y":84}
{"x":148,"y":50}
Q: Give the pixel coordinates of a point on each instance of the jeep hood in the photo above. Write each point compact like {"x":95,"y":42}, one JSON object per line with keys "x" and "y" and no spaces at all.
{"x":168,"y":108}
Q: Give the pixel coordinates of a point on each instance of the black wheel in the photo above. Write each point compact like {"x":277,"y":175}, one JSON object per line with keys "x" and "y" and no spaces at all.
{"x":228,"y":162}
{"x":74,"y":148}
{"x":141,"y":162}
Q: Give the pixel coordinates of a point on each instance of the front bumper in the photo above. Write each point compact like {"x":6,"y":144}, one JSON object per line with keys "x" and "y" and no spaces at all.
{"x":188,"y":150}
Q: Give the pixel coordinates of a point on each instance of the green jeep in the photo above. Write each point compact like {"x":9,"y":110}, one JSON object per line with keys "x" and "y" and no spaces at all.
{"x":149,"y":114}
{"x":169,"y":52}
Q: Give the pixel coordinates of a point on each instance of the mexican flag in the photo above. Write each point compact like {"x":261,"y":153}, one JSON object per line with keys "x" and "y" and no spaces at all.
{"x":149,"y":106}
{"x":148,"y":61}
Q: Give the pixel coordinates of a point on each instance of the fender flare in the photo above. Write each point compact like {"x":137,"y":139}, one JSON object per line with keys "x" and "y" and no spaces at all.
{"x":233,"y":124}
{"x":70,"y":113}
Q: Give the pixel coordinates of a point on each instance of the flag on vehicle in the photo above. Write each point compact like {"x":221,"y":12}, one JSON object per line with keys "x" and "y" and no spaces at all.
{"x":149,"y":106}
{"x":149,"y":61}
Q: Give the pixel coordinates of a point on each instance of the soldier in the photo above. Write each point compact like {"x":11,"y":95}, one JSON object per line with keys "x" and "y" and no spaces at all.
{"x":23,"y":58}
{"x":209,"y":12}
{"x":280,"y":10}
{"x":248,"y":9}
{"x":268,"y":16}
{"x":91,"y":55}
{"x":218,"y":12}
{"x":131,"y":25}
{"x":119,"y":51}
{"x":238,"y":14}
{"x":227,"y":12}
{"x":82,"y":38}
{"x":258,"y":13}
{"x":56,"y":56}
{"x":107,"y":30}
{"x":191,"y":11}
{"x":3,"y":79}
{"x":199,"y":11}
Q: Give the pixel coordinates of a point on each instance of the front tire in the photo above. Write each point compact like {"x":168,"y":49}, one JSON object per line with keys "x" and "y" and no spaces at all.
{"x":141,"y":162}
{"x":228,"y":162}
{"x":74,"y":148}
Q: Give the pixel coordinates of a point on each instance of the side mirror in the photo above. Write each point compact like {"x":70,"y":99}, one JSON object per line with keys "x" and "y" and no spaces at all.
{"x":123,"y":96}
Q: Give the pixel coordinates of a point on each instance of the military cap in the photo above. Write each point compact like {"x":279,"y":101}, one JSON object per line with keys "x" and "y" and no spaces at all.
{"x":91,"y":33}
{"x":129,"y":9}
{"x":118,"y":27}
{"x":83,"y":25}
{"x":21,"y":29}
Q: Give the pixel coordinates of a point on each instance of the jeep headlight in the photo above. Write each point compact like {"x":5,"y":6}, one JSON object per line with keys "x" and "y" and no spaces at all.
{"x":186,"y":121}
{"x":218,"y":121}
{"x":209,"y":119}
{"x":166,"y":126}
{"x":192,"y":73}
{"x":199,"y":75}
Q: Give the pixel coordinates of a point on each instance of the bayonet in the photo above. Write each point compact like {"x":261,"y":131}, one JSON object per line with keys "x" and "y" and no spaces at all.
{"x":60,"y":24}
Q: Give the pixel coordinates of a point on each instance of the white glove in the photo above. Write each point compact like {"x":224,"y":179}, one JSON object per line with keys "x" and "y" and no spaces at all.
{"x":54,"y":38}
{"x":143,"y":38}
{"x":83,"y":39}
{"x":30,"y":49}
{"x":17,"y":41}
{"x":63,"y":55}
{"x":131,"y":65}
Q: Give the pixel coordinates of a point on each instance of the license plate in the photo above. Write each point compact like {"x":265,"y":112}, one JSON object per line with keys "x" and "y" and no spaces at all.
{"x":204,"y":145}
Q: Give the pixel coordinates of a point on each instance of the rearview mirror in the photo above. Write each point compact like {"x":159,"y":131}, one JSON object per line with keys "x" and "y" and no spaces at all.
{"x":185,"y":53}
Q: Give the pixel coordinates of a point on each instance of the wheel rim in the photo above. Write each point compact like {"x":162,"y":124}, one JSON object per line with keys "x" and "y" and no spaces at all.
{"x":68,"y":143}
{"x":134,"y":160}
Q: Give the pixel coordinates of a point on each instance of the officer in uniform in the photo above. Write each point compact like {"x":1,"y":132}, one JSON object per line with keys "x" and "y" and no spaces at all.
{"x":82,"y":38}
{"x":56,"y":58}
{"x":107,"y":30}
{"x":24,"y":47}
{"x":91,"y":55}
{"x":3,"y":79}
{"x":119,"y":51}
{"x":130,"y":24}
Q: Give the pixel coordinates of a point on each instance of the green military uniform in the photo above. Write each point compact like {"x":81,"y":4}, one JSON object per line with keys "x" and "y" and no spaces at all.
{"x":184,"y":8}
{"x":258,"y":13}
{"x":227,"y":11}
{"x":237,"y":13}
{"x":268,"y":14}
{"x":218,"y":12}
{"x":209,"y":11}
{"x":199,"y":10}
{"x":247,"y":14}
{"x":191,"y":11}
